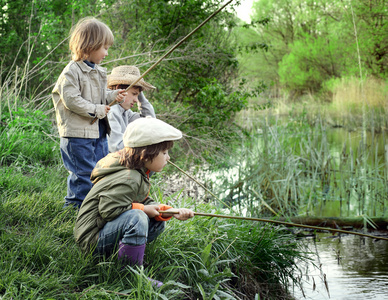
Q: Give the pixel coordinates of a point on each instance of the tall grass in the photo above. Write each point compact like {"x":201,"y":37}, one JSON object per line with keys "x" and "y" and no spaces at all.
{"x":200,"y":258}
{"x":27,"y":133}
{"x":27,"y":136}
{"x":292,"y":168}
{"x":347,"y":93}
{"x":357,"y":103}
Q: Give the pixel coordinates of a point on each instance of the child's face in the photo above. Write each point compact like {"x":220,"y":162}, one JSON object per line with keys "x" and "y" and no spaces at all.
{"x":159,"y":162}
{"x":131,"y":98}
{"x":97,"y":56}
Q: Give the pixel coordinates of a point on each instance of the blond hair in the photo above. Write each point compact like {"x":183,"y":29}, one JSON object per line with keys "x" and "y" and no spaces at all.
{"x":89,"y":35}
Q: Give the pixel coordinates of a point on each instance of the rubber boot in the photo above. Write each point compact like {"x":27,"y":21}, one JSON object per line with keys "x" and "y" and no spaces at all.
{"x":134,"y":255}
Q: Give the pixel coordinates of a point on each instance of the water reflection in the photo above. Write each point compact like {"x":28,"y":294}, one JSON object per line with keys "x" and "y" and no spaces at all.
{"x":354,"y":268}
{"x":338,"y":138}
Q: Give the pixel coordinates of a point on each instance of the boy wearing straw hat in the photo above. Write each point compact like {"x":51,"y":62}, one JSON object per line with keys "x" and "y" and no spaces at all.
{"x":121,"y":115}
{"x":117,"y":214}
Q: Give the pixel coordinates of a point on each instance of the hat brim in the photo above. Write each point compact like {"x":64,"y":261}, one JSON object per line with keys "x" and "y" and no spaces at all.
{"x":128,"y":80}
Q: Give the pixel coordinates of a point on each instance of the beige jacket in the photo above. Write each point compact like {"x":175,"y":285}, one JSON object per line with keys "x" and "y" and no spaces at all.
{"x":79,"y":96}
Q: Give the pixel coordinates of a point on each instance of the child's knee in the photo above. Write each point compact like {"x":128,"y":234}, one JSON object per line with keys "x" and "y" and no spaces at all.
{"x":139,"y":218}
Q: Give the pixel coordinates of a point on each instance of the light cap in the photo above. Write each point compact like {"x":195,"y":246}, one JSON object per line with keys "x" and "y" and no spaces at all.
{"x":149,"y":131}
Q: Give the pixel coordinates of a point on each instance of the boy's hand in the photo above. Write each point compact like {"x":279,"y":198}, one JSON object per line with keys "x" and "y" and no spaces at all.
{"x":120,"y":96}
{"x":107,"y":109}
{"x":184,"y":214}
{"x":151,"y":210}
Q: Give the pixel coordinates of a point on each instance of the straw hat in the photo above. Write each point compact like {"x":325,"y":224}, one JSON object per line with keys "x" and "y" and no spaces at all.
{"x":127,"y":75}
{"x":149,"y":131}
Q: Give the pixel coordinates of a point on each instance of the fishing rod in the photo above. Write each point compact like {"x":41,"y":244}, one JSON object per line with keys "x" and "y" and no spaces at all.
{"x":169,"y":52}
{"x":175,"y":211}
{"x":262,"y":220}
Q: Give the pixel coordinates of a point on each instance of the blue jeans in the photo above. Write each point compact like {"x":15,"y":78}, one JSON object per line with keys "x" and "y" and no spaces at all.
{"x":80,"y":156}
{"x":132,"y":227}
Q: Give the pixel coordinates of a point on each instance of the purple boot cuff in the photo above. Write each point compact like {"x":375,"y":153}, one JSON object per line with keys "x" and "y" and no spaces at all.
{"x":132,"y":255}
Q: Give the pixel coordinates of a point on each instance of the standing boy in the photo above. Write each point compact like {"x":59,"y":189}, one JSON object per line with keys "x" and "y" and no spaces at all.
{"x":79,"y":96}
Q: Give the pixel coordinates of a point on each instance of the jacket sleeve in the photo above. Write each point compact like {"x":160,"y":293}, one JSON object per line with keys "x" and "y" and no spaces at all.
{"x":117,"y":126}
{"x":69,"y":89}
{"x":150,"y":201}
{"x":111,"y":95}
{"x":145,"y":107}
{"x":113,"y":202}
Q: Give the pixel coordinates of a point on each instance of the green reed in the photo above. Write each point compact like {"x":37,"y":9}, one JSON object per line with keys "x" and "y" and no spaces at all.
{"x":293,"y":166}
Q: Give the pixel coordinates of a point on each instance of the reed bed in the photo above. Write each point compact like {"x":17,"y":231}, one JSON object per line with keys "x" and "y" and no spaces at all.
{"x":351,"y":93}
{"x":292,"y":167}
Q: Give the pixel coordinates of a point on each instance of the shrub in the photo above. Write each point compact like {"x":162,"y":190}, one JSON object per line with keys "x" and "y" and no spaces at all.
{"x":26,"y":134}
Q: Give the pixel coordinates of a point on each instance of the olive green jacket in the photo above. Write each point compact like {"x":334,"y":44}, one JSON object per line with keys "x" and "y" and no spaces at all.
{"x":115,"y":189}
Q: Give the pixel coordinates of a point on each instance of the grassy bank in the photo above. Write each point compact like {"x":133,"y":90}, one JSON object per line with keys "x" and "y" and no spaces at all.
{"x":201,"y":258}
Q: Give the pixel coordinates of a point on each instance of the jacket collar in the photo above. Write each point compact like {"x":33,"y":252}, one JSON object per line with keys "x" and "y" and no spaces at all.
{"x":85,"y":68}
{"x":121,"y":109}
{"x":144,"y":172}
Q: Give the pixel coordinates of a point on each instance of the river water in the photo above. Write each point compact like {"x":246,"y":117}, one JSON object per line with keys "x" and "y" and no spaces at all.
{"x":346,"y":268}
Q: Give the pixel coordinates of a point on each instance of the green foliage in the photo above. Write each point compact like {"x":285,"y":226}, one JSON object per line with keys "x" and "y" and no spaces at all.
{"x":310,"y":42}
{"x":25,"y":135}
{"x":310,"y":63}
{"x":34,"y":27}
{"x":216,"y":106}
{"x":372,"y":27}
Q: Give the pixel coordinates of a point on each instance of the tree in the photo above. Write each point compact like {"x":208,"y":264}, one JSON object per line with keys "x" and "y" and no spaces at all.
{"x":311,"y":41}
{"x":147,"y":29}
{"x":372,"y":26}
{"x":31,"y":30}
{"x":311,"y":62}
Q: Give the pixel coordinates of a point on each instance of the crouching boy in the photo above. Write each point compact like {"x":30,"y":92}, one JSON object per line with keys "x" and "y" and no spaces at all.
{"x":117,"y":213}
